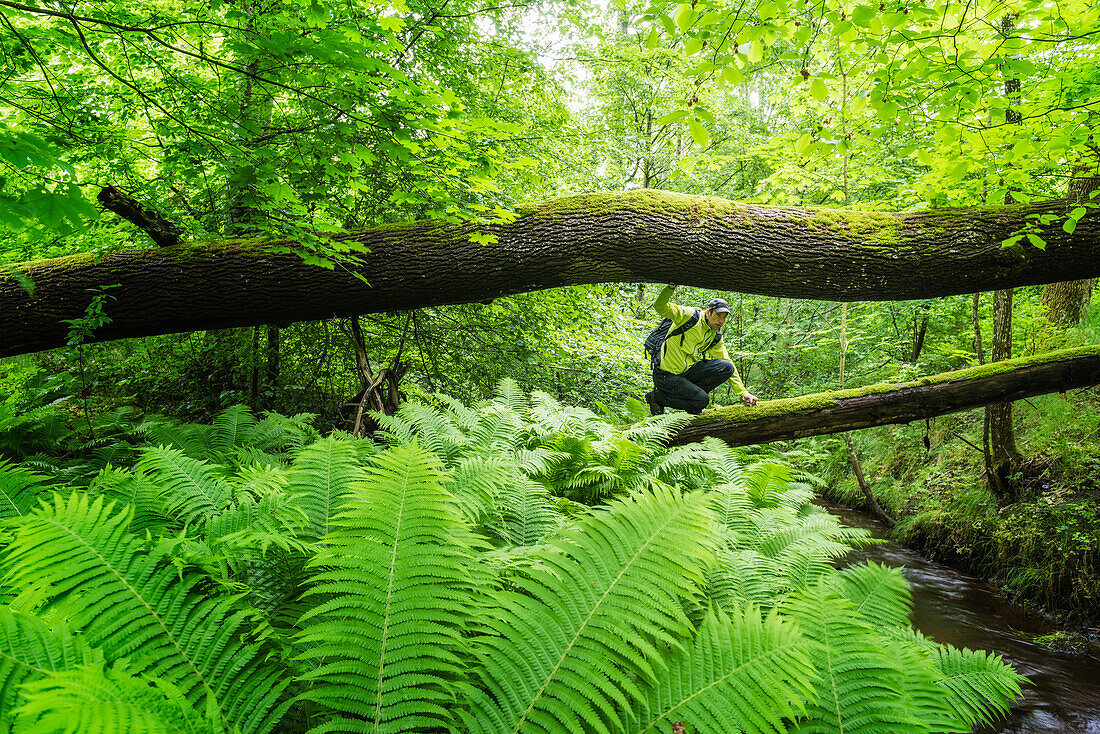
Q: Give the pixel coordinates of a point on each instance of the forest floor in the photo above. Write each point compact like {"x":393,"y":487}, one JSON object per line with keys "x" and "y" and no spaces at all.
{"x":1040,"y":542}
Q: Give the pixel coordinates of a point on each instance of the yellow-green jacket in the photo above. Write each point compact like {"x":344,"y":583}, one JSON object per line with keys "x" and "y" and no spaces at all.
{"x":676,"y":359}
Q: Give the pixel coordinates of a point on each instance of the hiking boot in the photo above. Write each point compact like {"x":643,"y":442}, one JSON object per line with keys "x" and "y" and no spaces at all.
{"x":655,"y":408}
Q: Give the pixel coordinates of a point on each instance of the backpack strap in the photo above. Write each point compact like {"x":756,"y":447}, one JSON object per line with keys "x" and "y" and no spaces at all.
{"x":682,"y":329}
{"x":678,"y":331}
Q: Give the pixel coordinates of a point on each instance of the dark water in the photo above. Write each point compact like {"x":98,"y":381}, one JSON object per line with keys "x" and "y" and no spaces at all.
{"x":952,"y":607}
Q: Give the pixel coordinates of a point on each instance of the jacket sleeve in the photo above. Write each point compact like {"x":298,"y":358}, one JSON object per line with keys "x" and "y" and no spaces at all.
{"x":720,"y":352}
{"x":678,"y":314}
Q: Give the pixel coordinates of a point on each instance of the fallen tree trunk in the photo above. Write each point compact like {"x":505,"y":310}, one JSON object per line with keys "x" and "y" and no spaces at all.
{"x":876,"y":405}
{"x":637,"y":236}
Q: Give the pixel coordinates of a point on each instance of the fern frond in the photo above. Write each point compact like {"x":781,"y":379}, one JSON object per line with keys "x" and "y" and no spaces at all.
{"x":277,"y":433}
{"x":477,"y":482}
{"x":925,"y":698}
{"x":193,"y":490}
{"x":386,"y":639}
{"x":600,"y":606}
{"x":510,"y":396}
{"x":861,"y":689}
{"x":881,"y":595}
{"x":29,"y":649}
{"x":394,"y":430}
{"x":742,"y":673}
{"x":140,"y":492}
{"x":77,"y":558}
{"x":186,"y":437}
{"x":19,"y":490}
{"x":231,"y":427}
{"x":245,"y":457}
{"x":319,"y":478}
{"x":258,"y":480}
{"x":654,"y":433}
{"x":746,"y":577}
{"x":91,"y":700}
{"x":464,"y":417}
{"x":525,"y":513}
{"x":981,"y":684}
{"x":497,"y":429}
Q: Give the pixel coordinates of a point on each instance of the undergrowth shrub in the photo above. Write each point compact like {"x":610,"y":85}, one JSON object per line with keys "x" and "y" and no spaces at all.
{"x":515,"y":565}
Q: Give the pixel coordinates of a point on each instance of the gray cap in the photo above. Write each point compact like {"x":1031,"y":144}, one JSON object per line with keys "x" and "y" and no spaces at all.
{"x":718,"y":305}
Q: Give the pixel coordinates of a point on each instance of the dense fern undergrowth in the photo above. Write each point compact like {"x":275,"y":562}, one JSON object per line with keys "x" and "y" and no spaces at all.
{"x":513,"y":566}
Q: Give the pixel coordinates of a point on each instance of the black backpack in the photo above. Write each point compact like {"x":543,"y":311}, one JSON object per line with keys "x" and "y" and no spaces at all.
{"x":658,"y":336}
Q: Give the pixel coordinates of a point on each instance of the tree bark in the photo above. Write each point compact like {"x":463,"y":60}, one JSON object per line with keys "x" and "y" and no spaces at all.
{"x":847,"y":410}
{"x":1002,"y":438}
{"x":1068,"y":302}
{"x":649,"y":236}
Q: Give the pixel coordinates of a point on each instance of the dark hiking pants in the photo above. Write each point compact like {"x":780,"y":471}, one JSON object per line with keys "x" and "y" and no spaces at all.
{"x":690,"y":390}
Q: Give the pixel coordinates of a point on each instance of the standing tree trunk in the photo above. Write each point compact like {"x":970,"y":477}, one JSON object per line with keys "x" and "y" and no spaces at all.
{"x":1003,"y":454}
{"x":921,"y":330}
{"x":853,"y":457}
{"x":1067,"y":302}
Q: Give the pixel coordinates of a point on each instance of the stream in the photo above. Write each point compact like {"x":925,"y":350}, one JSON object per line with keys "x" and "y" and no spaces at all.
{"x":956,"y":608}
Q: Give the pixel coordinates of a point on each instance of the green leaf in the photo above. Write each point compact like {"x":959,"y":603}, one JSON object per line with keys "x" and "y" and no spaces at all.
{"x":698,"y":133}
{"x":391,"y":23}
{"x":862,"y":15}
{"x":732,"y":74}
{"x":803,"y":140}
{"x":818,"y":89}
{"x":685,"y":16}
{"x":1037,"y":241}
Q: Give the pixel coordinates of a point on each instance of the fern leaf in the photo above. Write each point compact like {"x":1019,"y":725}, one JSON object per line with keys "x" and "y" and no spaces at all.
{"x":600,"y":606}
{"x":925,"y":698}
{"x":138,"y":491}
{"x":188,"y":438}
{"x":746,"y":577}
{"x":77,"y":558}
{"x":511,"y":396}
{"x":982,"y":684}
{"x":524,"y":513}
{"x":477,"y":482}
{"x":880,"y":593}
{"x":386,"y":638}
{"x":231,"y":427}
{"x":90,"y":700}
{"x":29,"y":650}
{"x":192,"y":489}
{"x":19,"y":490}
{"x":319,"y":478}
{"x":861,"y":688}
{"x":742,"y":673}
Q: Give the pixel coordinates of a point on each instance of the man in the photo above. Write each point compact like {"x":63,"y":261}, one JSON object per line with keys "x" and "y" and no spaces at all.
{"x":694,"y":363}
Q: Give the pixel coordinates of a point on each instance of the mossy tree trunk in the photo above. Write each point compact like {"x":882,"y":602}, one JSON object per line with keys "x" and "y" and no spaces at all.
{"x":635,"y":236}
{"x":847,"y":410}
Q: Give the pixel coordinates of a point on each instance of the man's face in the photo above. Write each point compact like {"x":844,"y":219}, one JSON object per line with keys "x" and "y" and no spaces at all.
{"x":716,"y":320}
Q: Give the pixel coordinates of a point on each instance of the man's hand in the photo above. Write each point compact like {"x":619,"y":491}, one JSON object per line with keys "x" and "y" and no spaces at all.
{"x":748,"y":398}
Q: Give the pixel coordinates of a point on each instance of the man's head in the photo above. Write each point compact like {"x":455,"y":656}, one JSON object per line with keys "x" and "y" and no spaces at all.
{"x":716,"y":313}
